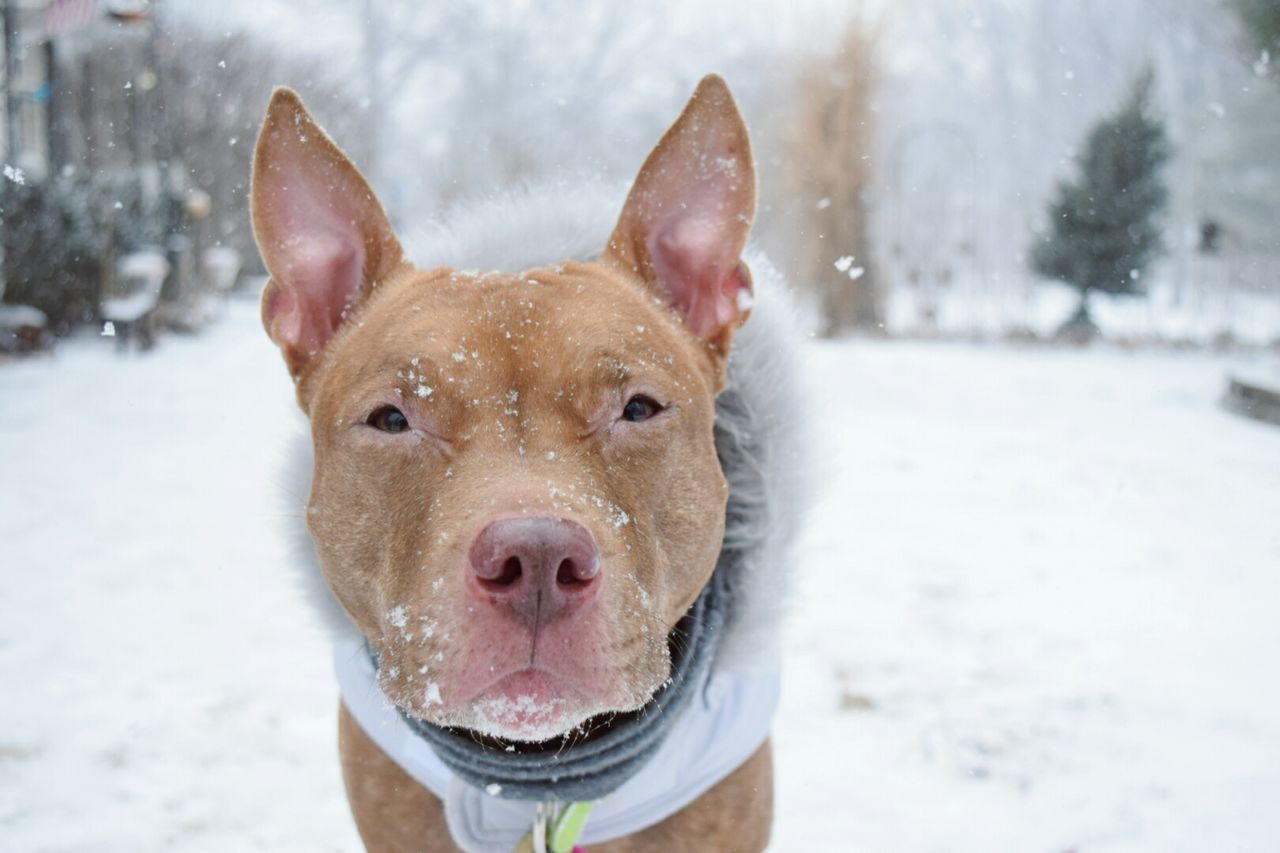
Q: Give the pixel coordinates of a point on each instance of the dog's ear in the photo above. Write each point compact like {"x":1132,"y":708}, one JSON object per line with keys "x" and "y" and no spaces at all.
{"x":322,"y":233}
{"x":686,"y":219}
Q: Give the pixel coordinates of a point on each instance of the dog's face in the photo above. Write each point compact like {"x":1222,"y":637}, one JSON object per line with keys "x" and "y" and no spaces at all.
{"x":516,"y":492}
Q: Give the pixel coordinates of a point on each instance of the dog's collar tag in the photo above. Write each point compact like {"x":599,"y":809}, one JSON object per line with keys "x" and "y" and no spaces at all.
{"x":564,"y":833}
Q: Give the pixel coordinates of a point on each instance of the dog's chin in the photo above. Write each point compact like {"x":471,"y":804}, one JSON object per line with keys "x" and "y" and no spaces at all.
{"x":529,"y":706}
{"x":526,"y":706}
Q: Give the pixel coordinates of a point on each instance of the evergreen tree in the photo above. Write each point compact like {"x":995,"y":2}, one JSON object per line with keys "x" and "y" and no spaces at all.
{"x":1103,"y":225}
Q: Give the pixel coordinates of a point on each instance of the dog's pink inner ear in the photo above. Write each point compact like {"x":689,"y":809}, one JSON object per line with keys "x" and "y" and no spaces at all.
{"x":323,"y":235}
{"x":316,"y":278}
{"x":697,"y":265}
{"x":686,"y":220}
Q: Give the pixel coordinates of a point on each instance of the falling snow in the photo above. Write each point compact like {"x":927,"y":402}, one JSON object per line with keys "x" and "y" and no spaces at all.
{"x":1011,"y":624}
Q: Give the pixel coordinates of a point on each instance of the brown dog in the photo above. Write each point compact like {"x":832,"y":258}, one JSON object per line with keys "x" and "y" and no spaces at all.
{"x":516,"y":490}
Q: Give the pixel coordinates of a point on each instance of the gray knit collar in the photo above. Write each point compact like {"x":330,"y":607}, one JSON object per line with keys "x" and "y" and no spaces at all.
{"x":577,"y":768}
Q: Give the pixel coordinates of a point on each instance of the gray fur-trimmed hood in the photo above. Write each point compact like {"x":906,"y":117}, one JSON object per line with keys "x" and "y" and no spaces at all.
{"x":760,"y":416}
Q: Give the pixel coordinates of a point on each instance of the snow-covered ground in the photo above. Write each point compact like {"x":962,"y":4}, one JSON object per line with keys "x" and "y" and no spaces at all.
{"x":1038,"y":607}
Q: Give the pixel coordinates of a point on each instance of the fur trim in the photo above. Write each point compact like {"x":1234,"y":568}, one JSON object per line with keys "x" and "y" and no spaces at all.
{"x":759,"y":417}
{"x":298,"y":473}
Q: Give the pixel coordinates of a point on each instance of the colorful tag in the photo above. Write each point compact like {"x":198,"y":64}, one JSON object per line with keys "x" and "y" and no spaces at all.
{"x":568,"y":828}
{"x":563,"y":834}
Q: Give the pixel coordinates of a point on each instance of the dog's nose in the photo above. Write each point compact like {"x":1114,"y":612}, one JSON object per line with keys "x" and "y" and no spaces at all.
{"x":540,"y":568}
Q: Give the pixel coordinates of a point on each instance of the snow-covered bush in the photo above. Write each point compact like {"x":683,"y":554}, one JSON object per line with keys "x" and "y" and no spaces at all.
{"x":58,"y":236}
{"x":52,"y":249}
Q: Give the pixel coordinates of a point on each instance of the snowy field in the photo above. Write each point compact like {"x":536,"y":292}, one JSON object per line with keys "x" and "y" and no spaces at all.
{"x":1038,"y":607}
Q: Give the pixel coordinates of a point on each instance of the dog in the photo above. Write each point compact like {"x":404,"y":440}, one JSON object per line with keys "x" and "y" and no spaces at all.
{"x":522,"y":498}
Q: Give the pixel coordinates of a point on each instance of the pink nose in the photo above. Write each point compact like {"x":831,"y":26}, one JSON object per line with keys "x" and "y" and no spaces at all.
{"x":540,"y":568}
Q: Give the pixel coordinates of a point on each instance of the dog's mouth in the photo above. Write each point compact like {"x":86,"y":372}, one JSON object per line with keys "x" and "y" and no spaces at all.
{"x":517,"y":715}
{"x":533,"y":705}
{"x":544,"y":703}
{"x":529,"y":705}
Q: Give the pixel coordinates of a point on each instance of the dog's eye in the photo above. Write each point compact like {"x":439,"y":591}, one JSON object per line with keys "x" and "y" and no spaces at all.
{"x":640,"y":408}
{"x":388,"y":419}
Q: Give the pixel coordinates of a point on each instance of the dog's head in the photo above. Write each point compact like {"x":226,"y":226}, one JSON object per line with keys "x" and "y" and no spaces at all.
{"x":516,"y":491}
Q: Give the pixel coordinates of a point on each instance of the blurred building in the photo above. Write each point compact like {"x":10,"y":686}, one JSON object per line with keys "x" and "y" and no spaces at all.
{"x":28,"y":111}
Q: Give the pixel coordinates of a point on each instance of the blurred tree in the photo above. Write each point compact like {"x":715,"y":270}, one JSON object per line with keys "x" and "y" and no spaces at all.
{"x":149,"y":114}
{"x":482,"y":95}
{"x":1103,"y":230}
{"x":830,"y":168}
{"x":156,"y":114}
{"x":1262,"y":21}
{"x":216,"y":88}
